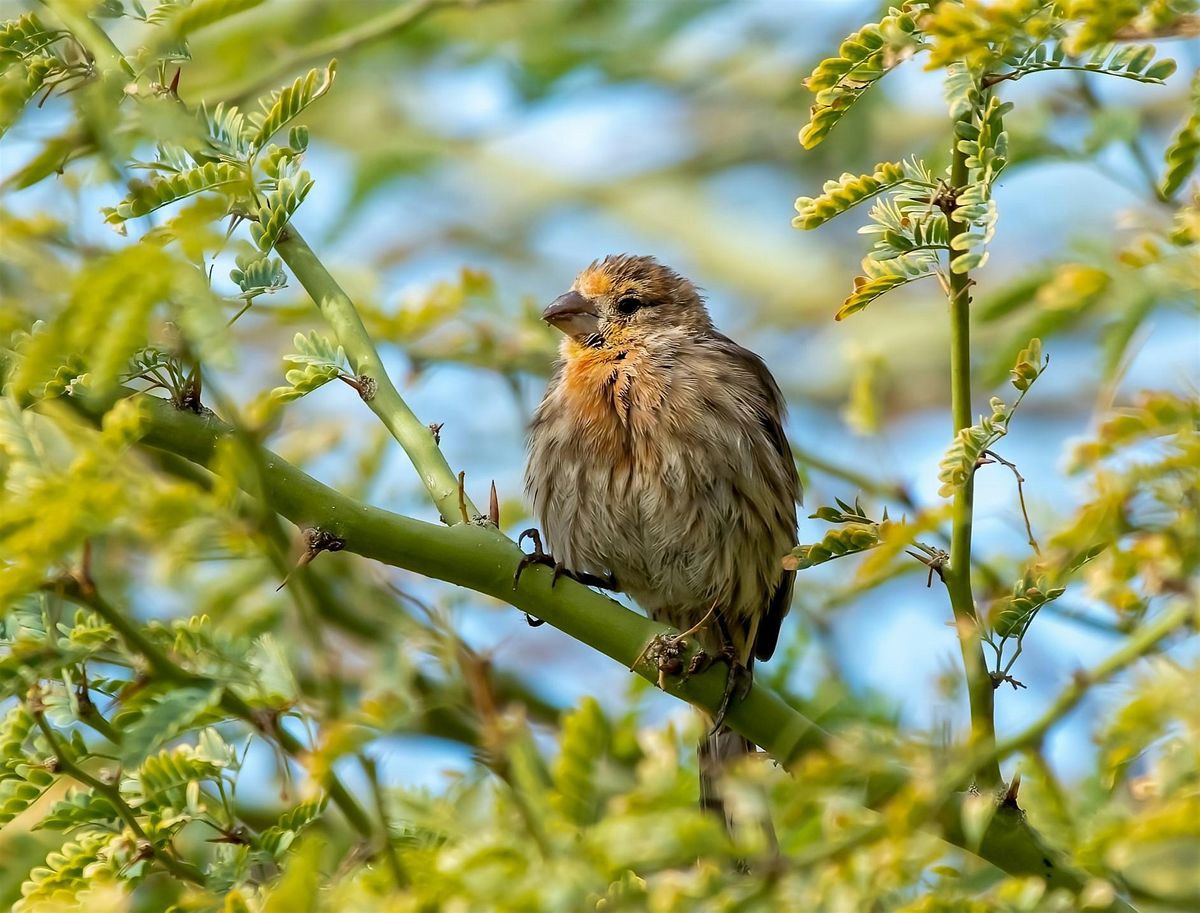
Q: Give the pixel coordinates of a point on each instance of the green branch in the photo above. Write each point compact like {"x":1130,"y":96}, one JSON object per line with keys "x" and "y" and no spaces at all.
{"x":957,"y":576}
{"x":417,"y":439}
{"x":480,"y":558}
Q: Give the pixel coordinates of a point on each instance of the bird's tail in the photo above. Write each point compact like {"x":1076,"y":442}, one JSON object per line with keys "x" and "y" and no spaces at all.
{"x":718,"y":752}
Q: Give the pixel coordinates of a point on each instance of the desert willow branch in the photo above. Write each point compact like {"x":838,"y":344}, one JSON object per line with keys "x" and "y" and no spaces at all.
{"x":480,"y":558}
{"x":957,"y":574}
{"x":385,"y":401}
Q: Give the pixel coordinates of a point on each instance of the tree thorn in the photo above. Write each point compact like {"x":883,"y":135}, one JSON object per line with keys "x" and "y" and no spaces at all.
{"x":315,"y":541}
{"x":493,"y":506}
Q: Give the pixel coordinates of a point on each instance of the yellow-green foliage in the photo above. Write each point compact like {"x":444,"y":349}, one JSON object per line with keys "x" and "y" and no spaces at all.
{"x":203,"y":708}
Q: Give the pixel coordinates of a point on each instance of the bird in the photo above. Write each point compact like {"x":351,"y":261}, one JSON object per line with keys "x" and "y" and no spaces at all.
{"x":658,"y":466}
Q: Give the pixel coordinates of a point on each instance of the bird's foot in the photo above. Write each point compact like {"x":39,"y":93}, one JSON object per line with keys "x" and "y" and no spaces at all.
{"x":737,"y":683}
{"x":540,"y":556}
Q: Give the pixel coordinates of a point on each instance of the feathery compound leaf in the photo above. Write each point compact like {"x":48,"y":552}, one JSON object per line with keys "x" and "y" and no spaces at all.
{"x":67,"y":872}
{"x":258,"y":276}
{"x":147,"y":196}
{"x":863,"y":57}
{"x":1131,"y":61}
{"x":866,"y":291}
{"x":283,"y":202}
{"x":181,"y":20}
{"x":958,"y":465}
{"x":285,"y":104}
{"x":162,"y":780}
{"x":80,"y":807}
{"x":1029,"y":366}
{"x":228,"y":132}
{"x":1184,"y":150}
{"x":583,"y":743}
{"x":884,"y":275}
{"x":845,"y":540}
{"x":315,"y":349}
{"x":173,"y":713}
{"x":846,"y":192}
{"x":1012,"y":616}
{"x":322,"y":361}
{"x":277,"y":838}
{"x":24,"y":786}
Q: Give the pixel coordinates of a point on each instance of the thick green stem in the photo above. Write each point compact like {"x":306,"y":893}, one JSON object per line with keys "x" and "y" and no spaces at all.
{"x":980,"y":689}
{"x":417,"y":439}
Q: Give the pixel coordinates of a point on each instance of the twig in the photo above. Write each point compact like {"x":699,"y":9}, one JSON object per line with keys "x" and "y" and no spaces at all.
{"x":1020,"y":493}
{"x":343,"y":318}
{"x":462,"y":496}
{"x":112,"y":793}
{"x":371,"y":769}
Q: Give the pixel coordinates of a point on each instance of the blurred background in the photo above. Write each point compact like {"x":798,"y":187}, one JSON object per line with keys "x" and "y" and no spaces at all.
{"x":474,"y":156}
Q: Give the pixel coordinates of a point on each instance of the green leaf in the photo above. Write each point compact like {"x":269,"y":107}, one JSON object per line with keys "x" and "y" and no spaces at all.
{"x":582,"y":745}
{"x":1184,"y":150}
{"x":846,"y":540}
{"x":181,"y":20}
{"x":67,"y":872}
{"x":78,"y":808}
{"x":862,"y":59}
{"x":146,"y":196}
{"x":289,"y":193}
{"x":25,"y":785}
{"x":1029,"y":366}
{"x":172,"y":714}
{"x":277,"y":838}
{"x":287,"y":103}
{"x":258,"y":275}
{"x":959,"y":462}
{"x":846,"y":192}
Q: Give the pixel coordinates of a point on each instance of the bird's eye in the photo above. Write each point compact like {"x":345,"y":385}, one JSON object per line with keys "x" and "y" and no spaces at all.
{"x":629,"y":304}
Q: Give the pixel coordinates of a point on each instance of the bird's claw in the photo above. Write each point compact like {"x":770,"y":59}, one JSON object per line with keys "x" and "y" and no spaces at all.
{"x":540,"y":556}
{"x":737,"y":683}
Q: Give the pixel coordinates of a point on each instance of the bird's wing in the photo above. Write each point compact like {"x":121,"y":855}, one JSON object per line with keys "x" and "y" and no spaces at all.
{"x":770,"y":408}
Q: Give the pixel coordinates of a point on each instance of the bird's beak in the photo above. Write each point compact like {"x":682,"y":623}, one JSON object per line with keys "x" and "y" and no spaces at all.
{"x":574,"y":315}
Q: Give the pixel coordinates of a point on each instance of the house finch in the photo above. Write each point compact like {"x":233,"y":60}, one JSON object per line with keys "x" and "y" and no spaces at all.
{"x":658,"y":459}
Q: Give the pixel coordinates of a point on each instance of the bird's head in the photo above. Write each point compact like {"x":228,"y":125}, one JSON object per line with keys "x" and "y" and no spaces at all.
{"x":625,"y":300}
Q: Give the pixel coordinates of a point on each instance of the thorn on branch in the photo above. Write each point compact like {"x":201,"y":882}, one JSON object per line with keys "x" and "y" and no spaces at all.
{"x":1010,"y":794}
{"x":435,"y":428}
{"x":935,"y":562}
{"x":364,"y":384}
{"x":173,"y":88}
{"x":315,"y":542}
{"x":493,"y":507}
